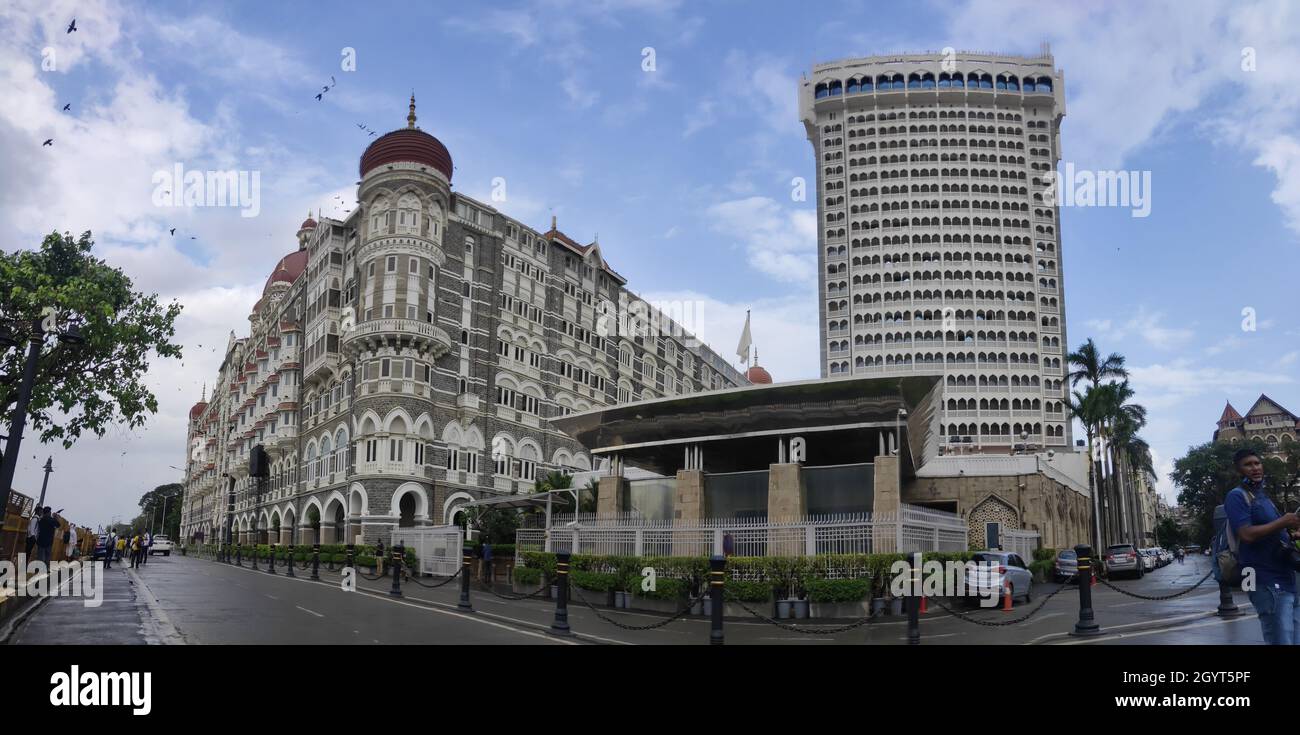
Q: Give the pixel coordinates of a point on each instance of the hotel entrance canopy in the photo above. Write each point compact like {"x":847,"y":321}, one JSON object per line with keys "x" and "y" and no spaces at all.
{"x":842,"y":420}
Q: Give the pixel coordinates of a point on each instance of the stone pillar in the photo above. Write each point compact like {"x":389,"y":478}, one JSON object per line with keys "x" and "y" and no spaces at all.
{"x":327,"y":535}
{"x":888,"y":497}
{"x":688,"y":506}
{"x":609,"y":495}
{"x":787,"y":500}
{"x":286,"y":535}
{"x":888,"y":494}
{"x":688,"y":501}
{"x":307,"y":534}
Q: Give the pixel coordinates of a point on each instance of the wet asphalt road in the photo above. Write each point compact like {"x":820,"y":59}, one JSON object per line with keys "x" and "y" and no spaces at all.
{"x":197,"y":601}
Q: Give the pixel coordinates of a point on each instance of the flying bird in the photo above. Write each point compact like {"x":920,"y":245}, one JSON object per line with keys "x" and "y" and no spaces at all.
{"x":72,"y":26}
{"x":48,"y":141}
{"x":319,"y":96}
{"x":173,"y":231}
{"x":67,"y":107}
{"x":193,"y":238}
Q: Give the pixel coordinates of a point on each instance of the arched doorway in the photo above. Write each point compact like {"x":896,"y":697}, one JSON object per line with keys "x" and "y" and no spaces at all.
{"x":313,"y":522}
{"x":340,"y":524}
{"x":406,"y":511}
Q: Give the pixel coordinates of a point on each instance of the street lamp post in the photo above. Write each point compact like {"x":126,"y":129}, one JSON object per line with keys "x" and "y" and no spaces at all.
{"x":35,"y":340}
{"x":49,"y":467}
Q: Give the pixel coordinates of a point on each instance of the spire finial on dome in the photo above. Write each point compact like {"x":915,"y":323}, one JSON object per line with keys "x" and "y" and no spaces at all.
{"x":410,"y":117}
{"x":552,"y":222}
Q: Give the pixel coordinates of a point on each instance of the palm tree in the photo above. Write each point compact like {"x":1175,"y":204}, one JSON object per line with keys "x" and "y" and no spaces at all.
{"x":1121,"y":421}
{"x":1086,"y":407}
{"x":1087,"y":365}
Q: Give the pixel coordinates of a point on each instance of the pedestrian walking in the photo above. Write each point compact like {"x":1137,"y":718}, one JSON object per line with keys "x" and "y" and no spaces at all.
{"x":487,"y":562}
{"x":1262,"y":536}
{"x":110,"y":549}
{"x":145,"y":542}
{"x":119,"y":546}
{"x":70,"y":543}
{"x":135,"y":551}
{"x":45,"y":530}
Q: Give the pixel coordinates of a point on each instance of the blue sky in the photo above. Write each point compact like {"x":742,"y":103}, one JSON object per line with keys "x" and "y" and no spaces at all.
{"x":685,"y":171}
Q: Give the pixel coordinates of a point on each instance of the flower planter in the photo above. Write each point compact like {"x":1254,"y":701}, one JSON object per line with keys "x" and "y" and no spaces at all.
{"x":707,"y":604}
{"x":896,"y":606}
{"x":877,"y":605}
{"x":800,"y":609}
{"x":783,"y":609}
{"x":609,"y":598}
{"x":698,"y":607}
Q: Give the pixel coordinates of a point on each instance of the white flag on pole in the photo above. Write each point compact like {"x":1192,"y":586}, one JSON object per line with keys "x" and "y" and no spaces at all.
{"x":742,"y":349}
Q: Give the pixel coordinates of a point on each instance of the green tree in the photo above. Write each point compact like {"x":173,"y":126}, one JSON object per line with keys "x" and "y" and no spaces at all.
{"x":1169,"y":534}
{"x":1205,"y":475}
{"x":86,"y":387}
{"x":152,"y":505}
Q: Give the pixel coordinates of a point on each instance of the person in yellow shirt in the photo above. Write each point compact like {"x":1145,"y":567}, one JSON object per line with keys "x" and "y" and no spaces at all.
{"x":136,"y":544}
{"x":121,"y":546}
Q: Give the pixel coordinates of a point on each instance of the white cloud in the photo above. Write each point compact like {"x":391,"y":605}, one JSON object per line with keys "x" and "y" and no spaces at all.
{"x":1144,"y":325}
{"x":779,"y":241}
{"x":786,"y":344}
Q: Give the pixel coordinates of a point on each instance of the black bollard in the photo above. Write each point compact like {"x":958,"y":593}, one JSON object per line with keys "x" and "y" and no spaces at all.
{"x":561,"y":624}
{"x":717,"y":578}
{"x":465,"y":573}
{"x":914,"y":602}
{"x":1227,"y":608}
{"x":399,"y":554}
{"x":239,"y":559}
{"x":253,"y":556}
{"x":1087,"y":625}
{"x":315,"y":561}
{"x":270,"y":566}
{"x":352,"y":555}
{"x":288,"y":560}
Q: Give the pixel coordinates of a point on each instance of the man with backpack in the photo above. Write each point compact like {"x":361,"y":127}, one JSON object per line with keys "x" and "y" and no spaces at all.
{"x":1260,"y":538}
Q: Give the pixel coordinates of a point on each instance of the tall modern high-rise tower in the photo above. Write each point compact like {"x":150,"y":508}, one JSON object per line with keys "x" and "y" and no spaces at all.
{"x":938,"y":243}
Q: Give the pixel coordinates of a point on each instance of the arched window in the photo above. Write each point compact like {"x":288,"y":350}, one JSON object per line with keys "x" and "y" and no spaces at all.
{"x":408,"y":215}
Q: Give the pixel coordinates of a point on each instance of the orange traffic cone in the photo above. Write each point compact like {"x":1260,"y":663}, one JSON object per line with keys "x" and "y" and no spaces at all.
{"x":1006,"y":597}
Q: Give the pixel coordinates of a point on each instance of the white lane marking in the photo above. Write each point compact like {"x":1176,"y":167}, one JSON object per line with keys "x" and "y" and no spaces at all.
{"x":273,"y":597}
{"x":1140,"y":633}
{"x":1179,"y":619}
{"x":313,"y":612}
{"x":480,"y":620}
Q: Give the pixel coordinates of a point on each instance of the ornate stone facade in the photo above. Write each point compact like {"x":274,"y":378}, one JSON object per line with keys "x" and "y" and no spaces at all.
{"x":406,"y":359}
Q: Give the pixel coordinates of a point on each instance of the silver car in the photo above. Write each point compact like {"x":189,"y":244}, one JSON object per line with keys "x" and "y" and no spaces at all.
{"x":994,"y":571}
{"x":1123,"y":559}
{"x":1067,"y":565}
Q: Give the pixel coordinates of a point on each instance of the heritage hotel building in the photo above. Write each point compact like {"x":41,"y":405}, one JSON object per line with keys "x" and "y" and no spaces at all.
{"x":407,"y":360}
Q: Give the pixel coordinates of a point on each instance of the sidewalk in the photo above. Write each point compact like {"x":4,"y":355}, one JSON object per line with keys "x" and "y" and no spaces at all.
{"x":120,"y":620}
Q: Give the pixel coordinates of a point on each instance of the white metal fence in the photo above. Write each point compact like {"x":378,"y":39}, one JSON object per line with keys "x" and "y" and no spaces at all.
{"x":1020,"y":542}
{"x":437,"y":548}
{"x":908,"y":530}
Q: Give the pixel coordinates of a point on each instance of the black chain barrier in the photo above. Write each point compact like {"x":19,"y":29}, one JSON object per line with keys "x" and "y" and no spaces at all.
{"x":1158,"y":598}
{"x":372,"y":579}
{"x":794,"y":628}
{"x":1003,"y":623}
{"x":448,"y":580}
{"x":529,"y":596}
{"x":676,"y":616}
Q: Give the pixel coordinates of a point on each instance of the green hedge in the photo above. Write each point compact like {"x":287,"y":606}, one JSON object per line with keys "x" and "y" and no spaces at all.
{"x":666,"y":589}
{"x":760,"y":578}
{"x":838,"y":590}
{"x":1042,"y":569}
{"x":527,"y":576}
{"x":594,"y":581}
{"x":1045,"y":554}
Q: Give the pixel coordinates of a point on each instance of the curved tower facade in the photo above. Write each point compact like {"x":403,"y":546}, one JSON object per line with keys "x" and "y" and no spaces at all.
{"x":939,"y":248}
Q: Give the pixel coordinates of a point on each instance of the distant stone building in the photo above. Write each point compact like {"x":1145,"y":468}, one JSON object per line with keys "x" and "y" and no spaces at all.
{"x":1266,"y":421}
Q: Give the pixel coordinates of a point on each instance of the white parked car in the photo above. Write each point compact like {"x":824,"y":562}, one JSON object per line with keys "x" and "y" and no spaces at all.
{"x":161,"y":545}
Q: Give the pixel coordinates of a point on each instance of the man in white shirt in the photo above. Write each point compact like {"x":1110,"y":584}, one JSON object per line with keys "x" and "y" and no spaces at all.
{"x":31,"y":532}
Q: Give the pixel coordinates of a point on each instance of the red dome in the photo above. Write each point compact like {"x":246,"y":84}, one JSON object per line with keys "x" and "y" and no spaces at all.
{"x":286,"y":271}
{"x":307,"y":224}
{"x":407,"y":145}
{"x":197,"y":410}
{"x":758,"y":376}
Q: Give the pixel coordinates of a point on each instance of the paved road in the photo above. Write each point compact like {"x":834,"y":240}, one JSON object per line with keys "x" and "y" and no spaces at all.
{"x":188,"y":600}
